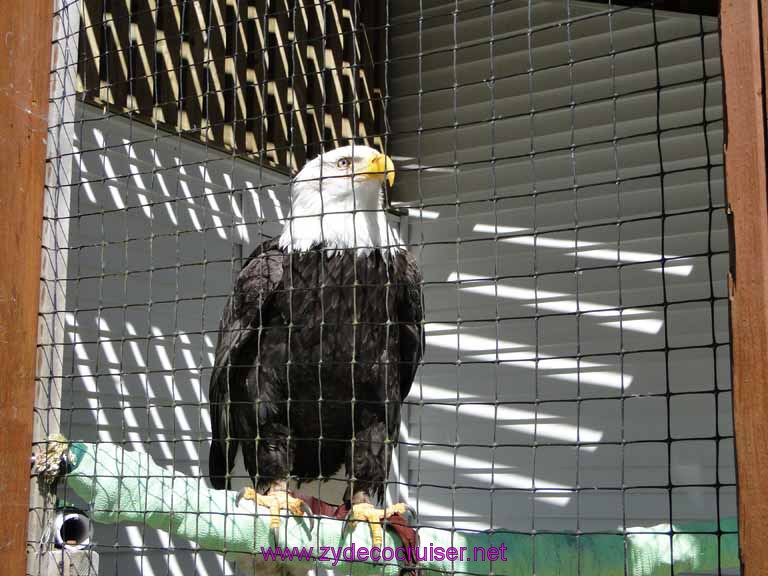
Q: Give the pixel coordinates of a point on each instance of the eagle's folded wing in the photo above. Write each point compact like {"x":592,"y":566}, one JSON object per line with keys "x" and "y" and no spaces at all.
{"x":244,"y":313}
{"x":409,"y":317}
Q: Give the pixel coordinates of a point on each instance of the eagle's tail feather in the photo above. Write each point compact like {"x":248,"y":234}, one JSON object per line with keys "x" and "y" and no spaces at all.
{"x":222,"y":460}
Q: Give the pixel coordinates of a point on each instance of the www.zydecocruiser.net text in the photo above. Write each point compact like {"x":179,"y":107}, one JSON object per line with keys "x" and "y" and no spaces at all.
{"x":385,"y":554}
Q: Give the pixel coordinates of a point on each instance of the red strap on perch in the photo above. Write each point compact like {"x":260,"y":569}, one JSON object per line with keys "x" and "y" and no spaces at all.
{"x":396,"y":522}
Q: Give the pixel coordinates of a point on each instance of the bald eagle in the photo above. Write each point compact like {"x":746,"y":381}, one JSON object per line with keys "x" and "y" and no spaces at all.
{"x":319,"y":341}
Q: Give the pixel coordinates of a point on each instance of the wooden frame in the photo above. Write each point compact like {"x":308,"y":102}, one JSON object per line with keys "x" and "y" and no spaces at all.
{"x":24,"y":76}
{"x":702,"y":7}
{"x":744,"y":25}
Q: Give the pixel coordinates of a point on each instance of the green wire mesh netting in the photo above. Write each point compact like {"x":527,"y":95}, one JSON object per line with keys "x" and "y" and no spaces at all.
{"x":560,"y":185}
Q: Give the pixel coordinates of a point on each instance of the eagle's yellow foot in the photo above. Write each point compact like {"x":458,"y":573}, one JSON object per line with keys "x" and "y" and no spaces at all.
{"x":276,"y":500}
{"x":367,"y":512}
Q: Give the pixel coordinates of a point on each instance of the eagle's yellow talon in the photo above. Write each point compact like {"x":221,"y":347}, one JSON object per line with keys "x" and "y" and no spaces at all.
{"x":275,"y":500}
{"x":398,"y":508}
{"x":367,"y":512}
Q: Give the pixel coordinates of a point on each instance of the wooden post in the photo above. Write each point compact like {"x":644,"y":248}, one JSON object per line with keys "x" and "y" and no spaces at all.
{"x":743,"y":40}
{"x":62,"y":119}
{"x":25,"y":50}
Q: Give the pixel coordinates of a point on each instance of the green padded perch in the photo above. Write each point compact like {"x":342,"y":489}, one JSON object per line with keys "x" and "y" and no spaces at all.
{"x":129,"y":487}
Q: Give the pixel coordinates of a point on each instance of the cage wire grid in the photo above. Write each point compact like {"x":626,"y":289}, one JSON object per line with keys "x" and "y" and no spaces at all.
{"x":559,"y":181}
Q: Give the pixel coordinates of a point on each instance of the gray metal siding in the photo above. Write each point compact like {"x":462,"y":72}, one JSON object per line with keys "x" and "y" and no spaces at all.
{"x":578,"y":152}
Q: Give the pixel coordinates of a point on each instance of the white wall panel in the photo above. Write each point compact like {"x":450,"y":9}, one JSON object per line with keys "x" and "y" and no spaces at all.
{"x":158,"y":226}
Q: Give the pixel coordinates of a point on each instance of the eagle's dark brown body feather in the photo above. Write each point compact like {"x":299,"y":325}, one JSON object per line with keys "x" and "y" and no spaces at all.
{"x":315,"y":346}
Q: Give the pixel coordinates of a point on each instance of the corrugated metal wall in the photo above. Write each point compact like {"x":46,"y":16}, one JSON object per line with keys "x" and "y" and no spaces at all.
{"x":551,"y":330}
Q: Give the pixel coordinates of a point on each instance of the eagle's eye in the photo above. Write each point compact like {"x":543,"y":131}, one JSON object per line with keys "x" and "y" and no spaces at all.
{"x":343,"y":163}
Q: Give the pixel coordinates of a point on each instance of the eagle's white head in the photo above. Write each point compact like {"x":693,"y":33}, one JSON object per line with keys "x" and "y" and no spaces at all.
{"x":337,"y":199}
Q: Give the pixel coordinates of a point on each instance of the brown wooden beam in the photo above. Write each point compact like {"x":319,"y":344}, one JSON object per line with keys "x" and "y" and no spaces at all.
{"x":25,"y":50}
{"x":702,"y":7}
{"x":744,"y":71}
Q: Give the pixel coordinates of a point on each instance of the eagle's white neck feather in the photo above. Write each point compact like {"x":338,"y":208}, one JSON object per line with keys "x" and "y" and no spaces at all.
{"x":344,"y":215}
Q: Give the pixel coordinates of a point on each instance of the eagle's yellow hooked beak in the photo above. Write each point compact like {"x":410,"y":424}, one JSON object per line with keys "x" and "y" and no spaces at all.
{"x":381,"y":167}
